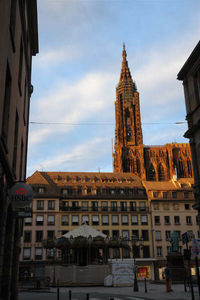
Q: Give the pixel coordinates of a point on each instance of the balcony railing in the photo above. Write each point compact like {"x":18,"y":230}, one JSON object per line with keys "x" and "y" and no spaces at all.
{"x":104,"y":209}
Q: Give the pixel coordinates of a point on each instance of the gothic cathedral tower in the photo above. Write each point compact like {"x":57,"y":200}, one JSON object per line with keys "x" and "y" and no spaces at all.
{"x":128,"y":156}
{"x":154,"y":163}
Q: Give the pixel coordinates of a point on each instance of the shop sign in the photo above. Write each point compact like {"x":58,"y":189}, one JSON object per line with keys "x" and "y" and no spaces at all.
{"x":21,"y":195}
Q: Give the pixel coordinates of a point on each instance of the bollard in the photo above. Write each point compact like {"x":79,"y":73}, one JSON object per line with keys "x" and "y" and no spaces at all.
{"x":70,"y":295}
{"x":58,"y":293}
{"x":185,"y":285}
{"x":145,"y":284}
{"x":87,"y":296}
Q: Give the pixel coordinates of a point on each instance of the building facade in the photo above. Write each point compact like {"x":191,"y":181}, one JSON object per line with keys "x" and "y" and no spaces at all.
{"x":171,"y":205}
{"x":18,"y":43}
{"x":152,"y":163}
{"x":115,"y":204}
{"x":190,"y":75}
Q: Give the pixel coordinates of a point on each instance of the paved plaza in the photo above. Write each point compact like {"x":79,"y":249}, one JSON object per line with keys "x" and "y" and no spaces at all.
{"x":154,"y":291}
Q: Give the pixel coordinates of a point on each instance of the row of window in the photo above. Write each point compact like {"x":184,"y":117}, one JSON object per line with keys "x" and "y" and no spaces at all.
{"x":40,"y":220}
{"x":105,"y":220}
{"x":94,"y":220}
{"x":159,"y":250}
{"x":97,"y":191}
{"x":166,"y":206}
{"x":75,"y":205}
{"x":165,"y":195}
{"x":167,"y":220}
{"x":115,"y":253}
{"x":50,"y":204}
{"x":39,"y":234}
{"x":93,"y":179}
{"x":158,"y":235}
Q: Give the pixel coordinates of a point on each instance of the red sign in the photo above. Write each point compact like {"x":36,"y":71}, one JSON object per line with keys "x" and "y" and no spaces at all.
{"x":21,"y":195}
{"x":21,"y":191}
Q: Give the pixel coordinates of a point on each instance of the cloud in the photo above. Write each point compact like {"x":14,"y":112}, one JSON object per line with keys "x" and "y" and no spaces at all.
{"x":71,"y":103}
{"x":82,"y":156}
{"x":49,"y":58}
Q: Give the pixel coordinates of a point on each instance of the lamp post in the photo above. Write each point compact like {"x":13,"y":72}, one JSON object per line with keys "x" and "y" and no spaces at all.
{"x":134,"y":240}
{"x":54,"y":267}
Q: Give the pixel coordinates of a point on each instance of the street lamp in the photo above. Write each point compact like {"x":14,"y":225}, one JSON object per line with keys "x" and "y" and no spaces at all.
{"x":54,"y":267}
{"x":134,"y":240}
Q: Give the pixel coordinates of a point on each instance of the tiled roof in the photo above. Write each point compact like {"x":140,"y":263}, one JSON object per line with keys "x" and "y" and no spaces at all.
{"x":37,"y":178}
{"x":60,"y":179}
{"x":168,"y":185}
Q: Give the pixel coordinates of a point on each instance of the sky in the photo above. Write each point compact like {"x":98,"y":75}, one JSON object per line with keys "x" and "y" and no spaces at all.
{"x":75,"y":74}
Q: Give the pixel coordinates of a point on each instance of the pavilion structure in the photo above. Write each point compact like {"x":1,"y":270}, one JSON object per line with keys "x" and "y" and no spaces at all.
{"x":85,"y":246}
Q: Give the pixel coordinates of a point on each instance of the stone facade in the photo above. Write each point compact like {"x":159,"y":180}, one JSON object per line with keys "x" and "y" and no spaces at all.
{"x":18,"y":43}
{"x":153,"y":163}
{"x":190,"y":75}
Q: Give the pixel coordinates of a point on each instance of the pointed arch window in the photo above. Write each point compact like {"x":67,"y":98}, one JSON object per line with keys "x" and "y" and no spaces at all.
{"x":138,"y":165}
{"x":189,"y":166}
{"x":161,"y":173}
{"x":181,"y":173}
{"x":132,"y":169}
{"x":152,"y":173}
{"x":176,"y":169}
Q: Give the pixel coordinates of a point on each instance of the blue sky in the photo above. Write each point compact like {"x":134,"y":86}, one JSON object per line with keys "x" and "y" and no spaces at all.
{"x":77,"y":69}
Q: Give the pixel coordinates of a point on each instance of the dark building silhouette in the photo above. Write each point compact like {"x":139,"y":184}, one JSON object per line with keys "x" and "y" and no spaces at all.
{"x":18,"y":43}
{"x":190,"y":75}
{"x":152,"y":163}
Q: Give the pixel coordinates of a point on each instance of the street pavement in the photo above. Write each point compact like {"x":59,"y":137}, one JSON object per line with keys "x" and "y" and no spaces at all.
{"x":154,"y":291}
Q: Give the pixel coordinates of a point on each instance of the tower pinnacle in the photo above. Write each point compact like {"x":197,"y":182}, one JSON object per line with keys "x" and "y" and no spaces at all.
{"x":124,"y":52}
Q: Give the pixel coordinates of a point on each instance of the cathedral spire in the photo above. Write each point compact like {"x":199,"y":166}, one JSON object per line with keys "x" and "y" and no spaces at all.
{"x":125,"y":72}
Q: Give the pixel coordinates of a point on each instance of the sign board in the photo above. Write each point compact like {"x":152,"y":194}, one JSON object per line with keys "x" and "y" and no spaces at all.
{"x":185,"y":238}
{"x":190,"y":235}
{"x":24,"y":214}
{"x":195,"y":247}
{"x":144,"y":272}
{"x":21,"y":195}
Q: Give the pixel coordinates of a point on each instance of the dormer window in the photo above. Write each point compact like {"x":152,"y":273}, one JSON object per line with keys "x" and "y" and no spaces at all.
{"x":40,"y":190}
{"x":174,"y":194}
{"x":94,"y":191}
{"x":65,"y":191}
{"x":155,"y":194}
{"x":164,"y":194}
